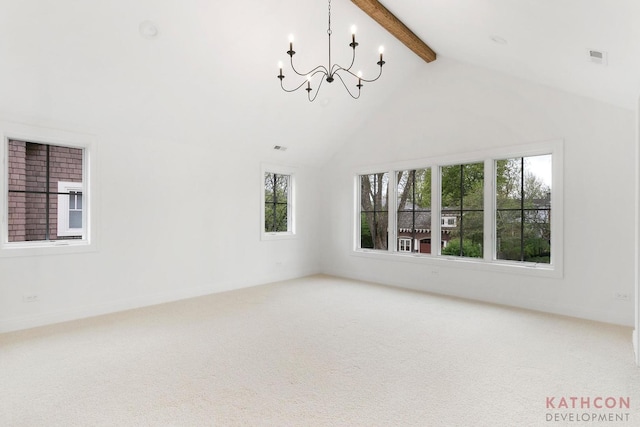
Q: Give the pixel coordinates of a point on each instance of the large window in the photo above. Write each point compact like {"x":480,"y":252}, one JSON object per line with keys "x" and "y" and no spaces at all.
{"x":462,"y":209}
{"x":45,"y":188}
{"x":276,"y":203}
{"x":374,"y":211}
{"x":523,"y":209}
{"x":492,"y":208}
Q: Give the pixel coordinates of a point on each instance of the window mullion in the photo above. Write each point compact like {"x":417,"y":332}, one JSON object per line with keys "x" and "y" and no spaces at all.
{"x":522,"y":217}
{"x":489,"y":203}
{"x":47,"y":196}
{"x":436,"y":208}
{"x":392,"y":207}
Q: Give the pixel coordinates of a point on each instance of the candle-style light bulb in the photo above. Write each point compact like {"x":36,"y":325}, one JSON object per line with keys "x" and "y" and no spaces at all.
{"x":381,"y":50}
{"x":309,"y":83}
{"x":280,"y":76}
{"x":359,"y":79}
{"x":353,"y":43}
{"x":290,"y":41}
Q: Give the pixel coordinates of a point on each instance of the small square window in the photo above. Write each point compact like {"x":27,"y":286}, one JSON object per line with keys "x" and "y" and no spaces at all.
{"x":45,"y":192}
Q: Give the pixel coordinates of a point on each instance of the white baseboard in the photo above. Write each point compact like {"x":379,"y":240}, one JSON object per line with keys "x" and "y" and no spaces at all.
{"x":541,"y":306}
{"x":49,"y":318}
{"x":43,"y":319}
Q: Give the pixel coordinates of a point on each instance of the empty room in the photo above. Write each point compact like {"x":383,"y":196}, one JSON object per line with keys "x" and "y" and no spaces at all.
{"x":222,"y":213}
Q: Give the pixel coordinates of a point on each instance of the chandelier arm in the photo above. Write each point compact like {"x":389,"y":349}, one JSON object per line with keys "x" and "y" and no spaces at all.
{"x":347,"y":70}
{"x":291,"y":90}
{"x":347,"y":88}
{"x":304,"y":81}
{"x":372,"y":80}
{"x":353,"y":60}
{"x":317,"y":91}
{"x":313,"y":71}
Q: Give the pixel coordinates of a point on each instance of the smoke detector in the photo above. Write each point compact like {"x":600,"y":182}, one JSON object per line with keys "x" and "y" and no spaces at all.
{"x":597,"y":56}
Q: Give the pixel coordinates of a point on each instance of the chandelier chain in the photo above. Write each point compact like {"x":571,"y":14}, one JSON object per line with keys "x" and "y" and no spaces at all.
{"x":329,"y":29}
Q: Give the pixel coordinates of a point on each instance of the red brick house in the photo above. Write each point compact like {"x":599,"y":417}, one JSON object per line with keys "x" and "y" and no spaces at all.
{"x":45,"y":192}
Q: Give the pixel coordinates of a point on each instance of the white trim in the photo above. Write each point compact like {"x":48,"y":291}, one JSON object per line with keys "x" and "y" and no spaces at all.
{"x":489,"y":219}
{"x":291,"y":202}
{"x":36,"y":134}
{"x":636,"y":330}
{"x":488,"y":261}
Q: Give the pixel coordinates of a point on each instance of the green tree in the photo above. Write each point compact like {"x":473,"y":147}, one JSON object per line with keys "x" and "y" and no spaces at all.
{"x":463,"y":196}
{"x":276,"y":210}
{"x":469,"y":248}
{"x":523,"y":215}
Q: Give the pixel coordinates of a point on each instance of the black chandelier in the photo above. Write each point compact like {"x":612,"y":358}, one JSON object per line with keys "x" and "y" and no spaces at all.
{"x":333,"y":71}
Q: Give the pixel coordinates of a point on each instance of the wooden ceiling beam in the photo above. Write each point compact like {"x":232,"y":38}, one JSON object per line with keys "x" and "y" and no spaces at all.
{"x":388,"y":21}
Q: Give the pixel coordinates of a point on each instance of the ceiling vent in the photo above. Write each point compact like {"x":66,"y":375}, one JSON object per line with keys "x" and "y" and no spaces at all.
{"x":598,"y":57}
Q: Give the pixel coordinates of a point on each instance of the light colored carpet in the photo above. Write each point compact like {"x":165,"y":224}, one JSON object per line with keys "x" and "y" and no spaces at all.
{"x":317,"y":351}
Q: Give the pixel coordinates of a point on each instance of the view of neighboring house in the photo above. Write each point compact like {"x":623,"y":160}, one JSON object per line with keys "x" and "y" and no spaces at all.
{"x":45,"y":192}
{"x":414,"y":229}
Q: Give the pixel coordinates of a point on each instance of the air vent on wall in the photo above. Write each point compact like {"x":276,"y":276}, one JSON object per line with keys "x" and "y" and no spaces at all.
{"x":598,"y":57}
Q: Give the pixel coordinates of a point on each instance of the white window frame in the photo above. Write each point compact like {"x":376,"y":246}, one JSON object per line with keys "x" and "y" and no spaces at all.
{"x":407,"y":241}
{"x":291,"y":202}
{"x":489,"y":260}
{"x":35,"y":134}
{"x":446,"y":221}
{"x":63,"y":228}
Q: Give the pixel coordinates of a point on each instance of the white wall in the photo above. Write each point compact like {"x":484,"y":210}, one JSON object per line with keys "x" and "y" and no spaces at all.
{"x":177,"y":219}
{"x":455,"y":108}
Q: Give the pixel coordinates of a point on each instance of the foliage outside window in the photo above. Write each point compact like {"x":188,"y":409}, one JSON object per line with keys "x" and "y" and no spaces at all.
{"x":37,"y":204}
{"x":497,"y":210}
{"x":523,"y":209}
{"x":277,"y":207}
{"x":374,"y":211}
{"x":414,"y":210}
{"x":462,"y":199}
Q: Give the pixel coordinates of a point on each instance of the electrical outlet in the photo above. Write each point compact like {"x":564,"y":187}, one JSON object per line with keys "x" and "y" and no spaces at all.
{"x":622,"y":296}
{"x":30,"y":298}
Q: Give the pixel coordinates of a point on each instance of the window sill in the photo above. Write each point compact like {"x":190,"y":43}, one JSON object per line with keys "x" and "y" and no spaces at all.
{"x":277,"y":236}
{"x":477,"y":264}
{"x":61,"y":247}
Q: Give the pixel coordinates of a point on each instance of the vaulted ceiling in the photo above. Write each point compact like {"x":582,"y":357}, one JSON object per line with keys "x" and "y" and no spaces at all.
{"x":210,"y":73}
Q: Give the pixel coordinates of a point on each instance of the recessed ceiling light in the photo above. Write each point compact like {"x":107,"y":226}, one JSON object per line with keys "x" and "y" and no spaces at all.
{"x":148,"y":30}
{"x":499,"y":40}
